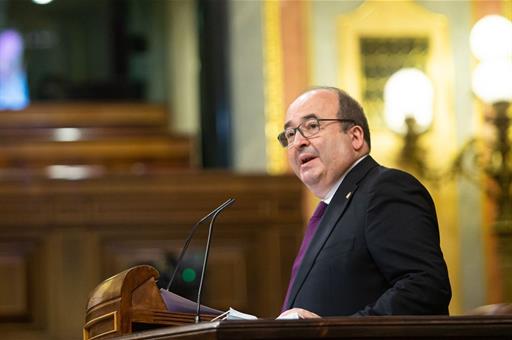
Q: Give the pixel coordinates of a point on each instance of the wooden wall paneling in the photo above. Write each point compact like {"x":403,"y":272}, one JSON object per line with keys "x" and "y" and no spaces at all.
{"x":268,"y":274}
{"x":78,"y":233}
{"x":226,"y":277}
{"x":22,"y":281}
{"x":14,"y":286}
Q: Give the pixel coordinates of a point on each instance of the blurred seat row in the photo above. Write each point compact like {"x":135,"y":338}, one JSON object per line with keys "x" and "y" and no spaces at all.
{"x":102,"y":138}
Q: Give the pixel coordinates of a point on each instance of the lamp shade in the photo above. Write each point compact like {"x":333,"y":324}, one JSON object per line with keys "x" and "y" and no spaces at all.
{"x":491,"y":38}
{"x":408,"y":93}
{"x":492,"y":81}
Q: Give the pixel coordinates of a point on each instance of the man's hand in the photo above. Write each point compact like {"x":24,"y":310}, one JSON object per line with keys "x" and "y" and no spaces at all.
{"x":302,"y":313}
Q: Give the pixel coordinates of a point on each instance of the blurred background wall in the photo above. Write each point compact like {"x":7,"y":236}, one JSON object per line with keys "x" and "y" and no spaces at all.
{"x":219,"y":75}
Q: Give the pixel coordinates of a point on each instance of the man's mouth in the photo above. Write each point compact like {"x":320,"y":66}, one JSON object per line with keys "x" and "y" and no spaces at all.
{"x":305,"y":159}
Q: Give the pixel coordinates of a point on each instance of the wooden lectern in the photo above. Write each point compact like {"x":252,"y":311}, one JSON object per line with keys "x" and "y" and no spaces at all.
{"x":129,"y":302}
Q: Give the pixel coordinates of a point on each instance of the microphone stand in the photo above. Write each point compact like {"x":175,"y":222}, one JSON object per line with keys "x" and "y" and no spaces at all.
{"x":192,"y":232}
{"x":205,"y":261}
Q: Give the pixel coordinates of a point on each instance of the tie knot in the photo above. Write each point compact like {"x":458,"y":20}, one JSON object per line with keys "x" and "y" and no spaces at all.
{"x":320,"y":209}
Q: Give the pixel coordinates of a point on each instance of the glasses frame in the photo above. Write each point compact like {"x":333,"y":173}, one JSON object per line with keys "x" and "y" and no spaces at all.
{"x":284,"y":141}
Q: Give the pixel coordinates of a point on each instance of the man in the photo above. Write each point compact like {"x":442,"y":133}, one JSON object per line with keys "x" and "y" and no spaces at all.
{"x":376,"y":249}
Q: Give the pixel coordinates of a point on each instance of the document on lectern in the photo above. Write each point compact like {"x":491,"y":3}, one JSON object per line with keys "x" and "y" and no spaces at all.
{"x":233,"y":314}
{"x":179,"y":304}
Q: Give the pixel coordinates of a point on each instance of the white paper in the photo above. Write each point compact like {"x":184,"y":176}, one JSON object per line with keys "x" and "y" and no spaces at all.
{"x":289,"y":316}
{"x":233,"y":314}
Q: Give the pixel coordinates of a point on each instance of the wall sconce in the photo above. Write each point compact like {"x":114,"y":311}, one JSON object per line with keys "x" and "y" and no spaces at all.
{"x":491,"y":44}
{"x":408,"y":111}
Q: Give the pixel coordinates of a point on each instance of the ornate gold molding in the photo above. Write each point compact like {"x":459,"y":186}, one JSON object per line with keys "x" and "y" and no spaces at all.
{"x":273,"y":82}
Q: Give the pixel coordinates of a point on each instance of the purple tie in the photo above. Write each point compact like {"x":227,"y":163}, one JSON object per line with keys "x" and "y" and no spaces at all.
{"x":308,"y":236}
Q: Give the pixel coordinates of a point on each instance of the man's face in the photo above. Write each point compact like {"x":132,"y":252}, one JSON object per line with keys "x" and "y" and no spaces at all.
{"x":320,"y":160}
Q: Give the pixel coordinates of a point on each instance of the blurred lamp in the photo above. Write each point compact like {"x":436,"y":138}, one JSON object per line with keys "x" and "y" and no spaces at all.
{"x":408,"y":94}
{"x":491,"y":38}
{"x":408,"y":111}
{"x":492,"y":80}
{"x":491,"y":44}
{"x":42,"y":2}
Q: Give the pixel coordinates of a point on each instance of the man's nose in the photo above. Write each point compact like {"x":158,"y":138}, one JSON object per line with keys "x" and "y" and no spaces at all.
{"x":300,"y":140}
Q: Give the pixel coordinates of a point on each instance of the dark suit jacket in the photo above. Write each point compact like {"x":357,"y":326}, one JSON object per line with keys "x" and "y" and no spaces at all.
{"x":376,"y":250}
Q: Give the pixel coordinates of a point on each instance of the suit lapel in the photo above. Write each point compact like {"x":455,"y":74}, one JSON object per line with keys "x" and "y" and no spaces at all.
{"x":333,"y":213}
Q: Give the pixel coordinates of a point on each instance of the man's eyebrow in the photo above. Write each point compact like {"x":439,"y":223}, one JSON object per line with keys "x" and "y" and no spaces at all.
{"x":306,"y":117}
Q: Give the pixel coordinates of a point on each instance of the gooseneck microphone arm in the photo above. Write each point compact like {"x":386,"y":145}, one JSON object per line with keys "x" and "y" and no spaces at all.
{"x":205,"y":260}
{"x":191,"y":234}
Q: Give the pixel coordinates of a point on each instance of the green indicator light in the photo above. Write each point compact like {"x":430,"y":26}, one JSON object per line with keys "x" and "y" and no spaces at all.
{"x":188,"y":275}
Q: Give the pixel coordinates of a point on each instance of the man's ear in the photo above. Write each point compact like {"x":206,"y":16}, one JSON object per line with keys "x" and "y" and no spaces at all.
{"x":357,"y":135}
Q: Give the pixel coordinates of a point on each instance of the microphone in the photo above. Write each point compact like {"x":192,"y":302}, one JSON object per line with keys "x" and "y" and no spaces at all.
{"x":191,"y":234}
{"x":206,"y":253}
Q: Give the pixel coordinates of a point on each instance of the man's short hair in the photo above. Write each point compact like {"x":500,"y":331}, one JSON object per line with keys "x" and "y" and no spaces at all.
{"x":349,"y":108}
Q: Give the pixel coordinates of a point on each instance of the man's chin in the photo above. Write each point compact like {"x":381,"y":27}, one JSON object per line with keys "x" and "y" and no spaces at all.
{"x":309,"y":177}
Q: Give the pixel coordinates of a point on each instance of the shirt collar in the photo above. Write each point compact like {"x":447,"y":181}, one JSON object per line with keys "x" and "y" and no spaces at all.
{"x":327,"y":199}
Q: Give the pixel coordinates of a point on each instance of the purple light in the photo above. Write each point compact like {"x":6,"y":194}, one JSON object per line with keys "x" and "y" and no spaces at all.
{"x":13,"y":82}
{"x":11,"y":46}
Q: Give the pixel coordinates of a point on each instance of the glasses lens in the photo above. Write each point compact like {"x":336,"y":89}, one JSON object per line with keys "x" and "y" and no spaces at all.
{"x":290,"y":135}
{"x":282,"y":139}
{"x":310,"y":127}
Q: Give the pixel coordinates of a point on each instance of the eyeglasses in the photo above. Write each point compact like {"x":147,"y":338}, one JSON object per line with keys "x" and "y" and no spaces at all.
{"x":307,"y":129}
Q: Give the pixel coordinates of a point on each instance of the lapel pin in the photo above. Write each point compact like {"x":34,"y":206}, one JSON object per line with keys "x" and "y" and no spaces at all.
{"x":348,"y":195}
